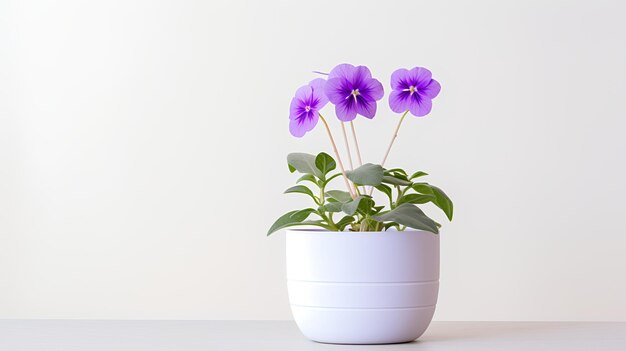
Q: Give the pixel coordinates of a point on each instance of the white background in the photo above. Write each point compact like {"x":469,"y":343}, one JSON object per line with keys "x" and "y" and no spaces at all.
{"x":143,"y":144}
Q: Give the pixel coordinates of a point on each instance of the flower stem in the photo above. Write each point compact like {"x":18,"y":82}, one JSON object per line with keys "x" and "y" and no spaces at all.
{"x":356,"y":143}
{"x":343,"y":171}
{"x":358,"y":151}
{"x":345,"y":139}
{"x":393,"y":138}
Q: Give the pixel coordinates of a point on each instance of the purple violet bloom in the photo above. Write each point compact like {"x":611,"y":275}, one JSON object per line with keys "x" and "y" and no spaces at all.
{"x":413,"y":90}
{"x":353,"y":91}
{"x":305,"y":106}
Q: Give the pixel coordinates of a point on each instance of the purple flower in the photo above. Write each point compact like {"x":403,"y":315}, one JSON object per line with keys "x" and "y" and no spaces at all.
{"x":413,"y":90}
{"x":305,"y":106}
{"x":353,"y":91}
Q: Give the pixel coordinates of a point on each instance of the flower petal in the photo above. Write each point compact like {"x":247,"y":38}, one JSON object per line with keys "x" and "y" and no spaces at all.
{"x":399,"y":79}
{"x":345,"y":110}
{"x":335,"y":91}
{"x":344,"y":70}
{"x":420,"y":105}
{"x":303,"y":93}
{"x":419,"y":77}
{"x":431,"y":90}
{"x":374,"y":89}
{"x":298,"y":127}
{"x":318,"y":86}
{"x":295,"y":108}
{"x":399,"y":101}
{"x":300,"y":101}
{"x":345,"y":80}
{"x":366,"y":108}
{"x":361,"y":74}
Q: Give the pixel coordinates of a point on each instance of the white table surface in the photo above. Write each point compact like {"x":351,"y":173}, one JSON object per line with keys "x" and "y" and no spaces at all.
{"x":85,"y":335}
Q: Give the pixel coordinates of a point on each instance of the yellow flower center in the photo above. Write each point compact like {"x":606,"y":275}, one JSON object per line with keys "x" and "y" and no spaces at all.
{"x":355,"y":93}
{"x":412,"y":89}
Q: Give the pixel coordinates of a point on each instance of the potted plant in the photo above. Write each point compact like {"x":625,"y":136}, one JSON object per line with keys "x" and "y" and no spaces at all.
{"x":368,"y":273}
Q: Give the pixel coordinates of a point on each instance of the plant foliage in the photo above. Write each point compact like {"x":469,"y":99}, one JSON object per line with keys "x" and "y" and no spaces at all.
{"x":337,"y":210}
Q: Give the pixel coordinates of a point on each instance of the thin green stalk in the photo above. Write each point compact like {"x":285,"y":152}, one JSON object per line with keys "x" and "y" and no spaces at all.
{"x":332,"y":226}
{"x":399,"y":195}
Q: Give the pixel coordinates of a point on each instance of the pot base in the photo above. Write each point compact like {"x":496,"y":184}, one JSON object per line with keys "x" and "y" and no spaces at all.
{"x":362,"y":326}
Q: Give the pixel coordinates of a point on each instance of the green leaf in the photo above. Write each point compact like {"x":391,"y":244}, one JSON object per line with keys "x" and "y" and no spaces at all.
{"x":397,"y":175}
{"x":440,"y":200}
{"x":368,"y":174}
{"x":385,"y":189}
{"x":350,"y":208}
{"x":303,"y":163}
{"x":331,"y":178}
{"x":443,"y":202}
{"x":331,"y":206}
{"x":391,"y":224}
{"x":410,"y":216}
{"x":366,"y":206}
{"x":290,"y":218}
{"x":325,"y":163}
{"x":307,"y":177}
{"x":416,"y":199}
{"x":344,"y":222}
{"x":423,"y":188}
{"x":395,"y":181}
{"x":341,"y":196}
{"x":302,"y":190}
{"x":317,"y":223}
{"x":417,"y":175}
{"x":377,"y":209}
{"x":396,"y":170}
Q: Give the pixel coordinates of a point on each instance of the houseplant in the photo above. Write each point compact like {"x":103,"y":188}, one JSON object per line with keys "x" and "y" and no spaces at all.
{"x":368,"y":273}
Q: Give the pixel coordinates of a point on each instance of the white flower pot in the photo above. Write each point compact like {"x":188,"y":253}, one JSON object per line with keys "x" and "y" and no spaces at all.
{"x":362,"y":287}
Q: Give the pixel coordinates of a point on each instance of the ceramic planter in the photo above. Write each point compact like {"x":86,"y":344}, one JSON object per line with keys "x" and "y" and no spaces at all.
{"x":362,"y":287}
